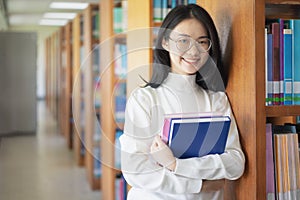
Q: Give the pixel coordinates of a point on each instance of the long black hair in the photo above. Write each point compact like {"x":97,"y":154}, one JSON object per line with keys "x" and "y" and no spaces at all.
{"x":206,"y":76}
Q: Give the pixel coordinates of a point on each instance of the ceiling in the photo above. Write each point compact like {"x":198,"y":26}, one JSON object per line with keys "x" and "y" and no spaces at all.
{"x":27,"y":13}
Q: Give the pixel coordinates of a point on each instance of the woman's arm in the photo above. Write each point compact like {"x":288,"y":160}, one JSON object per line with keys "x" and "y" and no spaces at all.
{"x":138,"y":168}
{"x":229,"y":165}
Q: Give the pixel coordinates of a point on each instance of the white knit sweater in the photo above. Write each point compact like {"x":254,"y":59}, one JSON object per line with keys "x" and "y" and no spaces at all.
{"x":144,"y":119}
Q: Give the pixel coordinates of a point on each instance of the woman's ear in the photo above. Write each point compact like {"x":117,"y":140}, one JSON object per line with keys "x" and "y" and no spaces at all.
{"x":165,"y":44}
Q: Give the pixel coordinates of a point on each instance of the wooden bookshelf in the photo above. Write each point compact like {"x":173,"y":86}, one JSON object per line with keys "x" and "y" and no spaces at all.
{"x":107,"y":120}
{"x":65,"y":83}
{"x":52,"y":61}
{"x":89,"y":87}
{"x":76,"y":101}
{"x":242,"y":35}
{"x":108,"y":39}
{"x":241,"y":29}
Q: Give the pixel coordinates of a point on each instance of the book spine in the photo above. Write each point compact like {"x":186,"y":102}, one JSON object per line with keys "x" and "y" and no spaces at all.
{"x":270,"y":70}
{"x":166,"y":129}
{"x":118,"y":19}
{"x":278,"y":166}
{"x":287,"y":67}
{"x":157,"y":9}
{"x":266,"y":65}
{"x":276,"y":63}
{"x":270,"y":171}
{"x":281,"y":63}
{"x":164,"y":8}
{"x":296,"y":67}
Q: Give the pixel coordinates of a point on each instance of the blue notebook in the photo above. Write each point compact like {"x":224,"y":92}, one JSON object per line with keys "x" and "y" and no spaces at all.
{"x":197,"y":137}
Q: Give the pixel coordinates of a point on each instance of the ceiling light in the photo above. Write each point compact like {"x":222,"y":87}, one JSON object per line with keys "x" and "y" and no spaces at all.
{"x":68,"y":5}
{"x":53,"y":22}
{"x":53,"y":15}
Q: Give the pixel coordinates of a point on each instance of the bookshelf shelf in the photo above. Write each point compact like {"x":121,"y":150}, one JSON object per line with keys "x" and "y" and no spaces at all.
{"x":282,"y":10}
{"x":275,"y":2}
{"x":279,"y":111}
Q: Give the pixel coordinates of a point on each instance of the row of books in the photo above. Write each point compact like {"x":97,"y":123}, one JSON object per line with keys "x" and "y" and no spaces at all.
{"x":282,"y":63}
{"x":120,"y":60}
{"x":162,"y":7}
{"x":95,"y":24}
{"x":282,"y":162}
{"x":120,"y":17}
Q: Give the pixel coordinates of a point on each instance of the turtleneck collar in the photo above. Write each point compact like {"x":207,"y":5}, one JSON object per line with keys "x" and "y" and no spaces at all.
{"x":180,"y":82}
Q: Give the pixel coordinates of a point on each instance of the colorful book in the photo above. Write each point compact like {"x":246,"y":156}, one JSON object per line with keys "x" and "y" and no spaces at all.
{"x":157,"y":8}
{"x":287,"y":59}
{"x":281,"y":63}
{"x":169,"y":117}
{"x":295,"y":26}
{"x":269,"y":68}
{"x":286,"y":159}
{"x":198,"y":136}
{"x":270,"y":171}
{"x":276,"y":63}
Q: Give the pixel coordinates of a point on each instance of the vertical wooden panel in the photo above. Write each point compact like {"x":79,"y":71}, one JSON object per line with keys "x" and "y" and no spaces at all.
{"x":139,"y":42}
{"x":90,"y":115}
{"x":241,"y":25}
{"x":68,"y":74}
{"x":76,"y":94}
{"x":106,"y":113}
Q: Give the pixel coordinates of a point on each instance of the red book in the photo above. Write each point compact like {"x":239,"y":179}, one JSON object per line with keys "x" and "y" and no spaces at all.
{"x":276,"y":63}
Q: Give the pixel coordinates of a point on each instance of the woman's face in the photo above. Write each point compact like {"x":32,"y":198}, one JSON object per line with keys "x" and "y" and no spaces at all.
{"x":188,"y":46}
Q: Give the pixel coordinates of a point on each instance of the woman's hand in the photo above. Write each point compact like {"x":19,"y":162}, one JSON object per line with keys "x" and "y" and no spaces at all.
{"x":162,"y":154}
{"x":212,"y":185}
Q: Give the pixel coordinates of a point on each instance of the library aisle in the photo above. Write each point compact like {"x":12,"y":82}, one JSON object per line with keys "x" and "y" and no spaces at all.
{"x":41,"y":167}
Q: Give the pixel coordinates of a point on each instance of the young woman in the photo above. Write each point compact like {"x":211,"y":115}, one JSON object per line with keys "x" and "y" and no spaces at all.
{"x":187,"y":77}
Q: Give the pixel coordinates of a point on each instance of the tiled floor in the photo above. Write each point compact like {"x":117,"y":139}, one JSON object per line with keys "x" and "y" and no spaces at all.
{"x":41,"y":167}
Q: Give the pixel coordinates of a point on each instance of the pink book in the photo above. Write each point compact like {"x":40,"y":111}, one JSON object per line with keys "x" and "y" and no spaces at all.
{"x":169,"y":117}
{"x":270,"y":171}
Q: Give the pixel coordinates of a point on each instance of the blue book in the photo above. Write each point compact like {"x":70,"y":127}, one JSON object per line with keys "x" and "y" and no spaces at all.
{"x":269,"y":70}
{"x":157,"y":10}
{"x":192,"y":1}
{"x":287,"y":59}
{"x":197,"y":137}
{"x":295,"y":25}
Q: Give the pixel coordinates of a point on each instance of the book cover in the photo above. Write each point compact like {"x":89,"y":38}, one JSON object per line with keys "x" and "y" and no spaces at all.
{"x":200,"y":136}
{"x":169,"y":117}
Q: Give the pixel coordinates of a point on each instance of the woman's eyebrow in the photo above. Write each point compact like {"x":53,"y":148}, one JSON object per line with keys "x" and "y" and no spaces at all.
{"x":200,"y":37}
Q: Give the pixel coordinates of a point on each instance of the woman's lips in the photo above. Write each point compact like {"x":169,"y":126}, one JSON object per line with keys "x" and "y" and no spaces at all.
{"x":192,"y":61}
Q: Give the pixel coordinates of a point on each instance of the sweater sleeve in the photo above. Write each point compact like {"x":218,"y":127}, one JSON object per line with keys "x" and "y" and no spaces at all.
{"x":229,"y":165}
{"x":141,"y":125}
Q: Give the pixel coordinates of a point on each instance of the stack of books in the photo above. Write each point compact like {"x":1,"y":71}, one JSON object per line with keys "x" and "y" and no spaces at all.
{"x":196,"y":134}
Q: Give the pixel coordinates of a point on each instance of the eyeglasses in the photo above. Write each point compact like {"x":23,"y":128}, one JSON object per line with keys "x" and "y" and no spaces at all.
{"x":184,"y":43}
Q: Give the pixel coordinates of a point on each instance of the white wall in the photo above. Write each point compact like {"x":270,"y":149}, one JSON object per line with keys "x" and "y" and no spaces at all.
{"x":42,"y":34}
